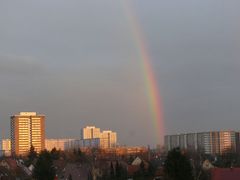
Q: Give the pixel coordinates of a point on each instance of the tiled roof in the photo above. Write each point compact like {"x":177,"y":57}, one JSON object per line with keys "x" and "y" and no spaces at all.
{"x":225,"y":174}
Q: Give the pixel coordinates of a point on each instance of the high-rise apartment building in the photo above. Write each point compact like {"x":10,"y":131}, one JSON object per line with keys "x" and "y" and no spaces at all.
{"x":108,"y":139}
{"x":93,"y":137}
{"x":90,"y":132}
{"x":228,"y":141}
{"x":213,"y":142}
{"x":27,"y":129}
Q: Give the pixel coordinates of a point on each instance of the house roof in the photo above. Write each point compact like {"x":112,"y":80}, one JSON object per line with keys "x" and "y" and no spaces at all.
{"x":132,"y":169}
{"x":11,"y":162}
{"x":225,"y":173}
{"x":137,"y":161}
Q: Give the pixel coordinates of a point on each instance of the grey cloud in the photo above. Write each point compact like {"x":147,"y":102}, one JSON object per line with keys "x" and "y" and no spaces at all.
{"x":82,"y":65}
{"x":20,"y":65}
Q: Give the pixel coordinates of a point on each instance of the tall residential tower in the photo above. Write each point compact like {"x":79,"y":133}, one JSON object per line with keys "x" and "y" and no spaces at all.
{"x":93,"y":137}
{"x":27,"y":129}
{"x":108,"y":139}
{"x":90,"y":132}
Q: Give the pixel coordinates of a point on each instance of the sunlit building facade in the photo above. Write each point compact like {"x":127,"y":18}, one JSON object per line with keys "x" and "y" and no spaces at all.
{"x":59,"y":144}
{"x":94,"y":137}
{"x":6,"y":147}
{"x":90,"y":132}
{"x":108,"y":139}
{"x":228,"y":141}
{"x":27,"y":129}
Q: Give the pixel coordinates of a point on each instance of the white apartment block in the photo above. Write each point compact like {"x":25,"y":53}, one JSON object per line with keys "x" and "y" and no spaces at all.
{"x":108,"y":139}
{"x":93,"y":137}
{"x":90,"y":132}
{"x":213,"y":142}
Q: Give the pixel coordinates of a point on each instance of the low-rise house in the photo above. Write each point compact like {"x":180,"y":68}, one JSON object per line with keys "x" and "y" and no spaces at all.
{"x":207,"y":165}
{"x":10,"y":168}
{"x":8,"y":164}
{"x":225,"y":174}
{"x":135,"y":166}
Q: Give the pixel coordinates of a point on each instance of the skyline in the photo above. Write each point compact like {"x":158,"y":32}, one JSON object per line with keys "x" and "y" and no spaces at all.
{"x":77,"y":63}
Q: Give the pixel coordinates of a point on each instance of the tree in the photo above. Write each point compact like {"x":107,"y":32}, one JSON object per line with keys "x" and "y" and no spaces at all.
{"x":55,"y":154}
{"x":31,"y":156}
{"x":118,"y":169}
{"x":142,"y":168}
{"x":80,"y":155}
{"x":44,"y":169}
{"x":131,"y":159}
{"x":79,"y":152}
{"x":177,"y":166}
{"x":70,"y":177}
{"x":112,"y":170}
{"x":151,"y":169}
{"x":120,"y":172}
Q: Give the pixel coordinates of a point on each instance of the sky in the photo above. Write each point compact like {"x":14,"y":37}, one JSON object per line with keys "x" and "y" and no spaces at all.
{"x":77,"y":63}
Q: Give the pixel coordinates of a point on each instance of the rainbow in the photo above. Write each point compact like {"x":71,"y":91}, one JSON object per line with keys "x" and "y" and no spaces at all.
{"x":152,"y":90}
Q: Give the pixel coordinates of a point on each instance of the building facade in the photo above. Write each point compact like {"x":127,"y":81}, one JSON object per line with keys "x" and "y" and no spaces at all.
{"x":90,"y":143}
{"x":213,"y":142}
{"x":93,"y":137}
{"x":27,"y":129}
{"x":6,"y":147}
{"x":90,"y":132}
{"x":59,"y":144}
{"x":108,"y":139}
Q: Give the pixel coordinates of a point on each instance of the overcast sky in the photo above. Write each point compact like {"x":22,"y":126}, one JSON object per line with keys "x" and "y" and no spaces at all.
{"x":76,"y":62}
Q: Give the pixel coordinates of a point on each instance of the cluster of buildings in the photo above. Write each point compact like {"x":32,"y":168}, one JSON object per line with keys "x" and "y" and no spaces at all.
{"x":213,"y":142}
{"x":28,"y":129}
{"x":91,"y":137}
